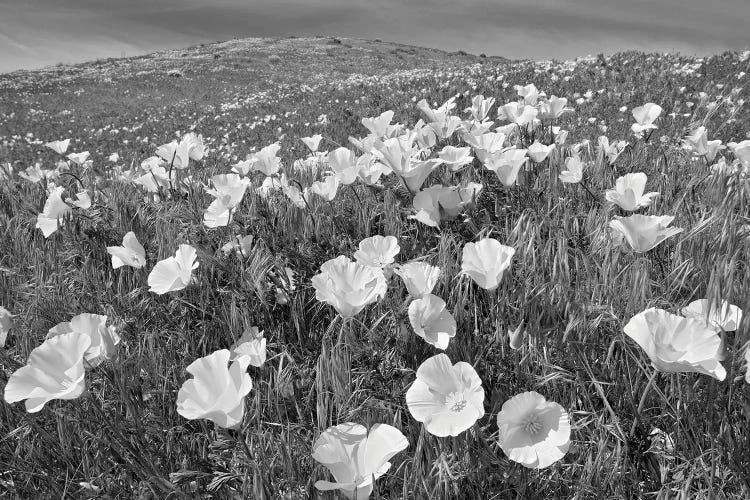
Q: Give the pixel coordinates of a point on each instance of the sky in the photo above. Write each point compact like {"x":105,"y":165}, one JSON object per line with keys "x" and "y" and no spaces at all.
{"x":38,"y":33}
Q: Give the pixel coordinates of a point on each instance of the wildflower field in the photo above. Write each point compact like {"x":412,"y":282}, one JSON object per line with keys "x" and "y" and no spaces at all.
{"x":336,"y":268}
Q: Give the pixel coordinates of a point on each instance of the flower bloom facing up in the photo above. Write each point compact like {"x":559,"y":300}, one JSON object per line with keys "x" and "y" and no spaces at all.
{"x":348,"y":286}
{"x":574,"y":172}
{"x":538,"y":152}
{"x":628,"y":192}
{"x":485,"y":262}
{"x":228,"y":191}
{"x":377,"y":251}
{"x":173,"y":273}
{"x":55,"y":370}
{"x":131,"y":253}
{"x":6,"y":322}
{"x":533,"y":431}
{"x":506,"y":165}
{"x":727,"y":317}
{"x":676,"y":344}
{"x":217,"y":390}
{"x":432,"y":321}
{"x":251,"y":345}
{"x":355,"y":457}
{"x":447,"y":398}
{"x":104,"y":339}
{"x":59,"y":147}
{"x":419,"y":277}
{"x":644,"y":232}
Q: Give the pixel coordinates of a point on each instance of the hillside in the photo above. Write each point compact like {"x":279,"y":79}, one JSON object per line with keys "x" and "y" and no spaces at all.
{"x":635,"y":432}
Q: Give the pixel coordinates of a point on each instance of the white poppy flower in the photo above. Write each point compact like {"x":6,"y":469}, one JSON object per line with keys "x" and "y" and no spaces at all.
{"x":6,"y":322}
{"x":644,"y":232}
{"x":455,"y":158}
{"x":419,"y":277}
{"x":217,"y":390}
{"x":173,"y":273}
{"x":326,"y":189}
{"x":611,"y":151}
{"x":252,"y":345}
{"x":480,"y":107}
{"x":645,"y":116}
{"x":131,"y":253}
{"x":55,"y":209}
{"x":432,"y":321}
{"x":348,"y":286}
{"x":506,"y":165}
{"x":55,"y":370}
{"x":726,"y":317}
{"x":574,"y":172}
{"x":538,"y":152}
{"x":79,"y":158}
{"x":377,"y":251}
{"x":355,"y":457}
{"x":628,"y":193}
{"x":59,"y":147}
{"x":82,"y":200}
{"x":312,"y":142}
{"x":448,"y":399}
{"x":676,"y":344}
{"x":266,"y":160}
{"x":241,"y":245}
{"x":343,"y":162}
{"x":229,"y":190}
{"x":517,"y":113}
{"x":485,"y":262}
{"x":533,"y":431}
{"x":485,"y":145}
{"x":104,"y":339}
{"x":378,"y":125}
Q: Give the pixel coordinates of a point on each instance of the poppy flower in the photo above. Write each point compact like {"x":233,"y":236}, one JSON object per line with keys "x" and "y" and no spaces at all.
{"x":396,"y":153}
{"x":515,"y":337}
{"x":326,"y":189}
{"x":292,"y":192}
{"x":59,"y":147}
{"x":369,"y":171}
{"x":506,"y":165}
{"x":178,"y":154}
{"x":455,"y":158}
{"x":252,"y":345}
{"x":266,"y":160}
{"x":6,"y":322}
{"x":241,"y":245}
{"x":228,"y":190}
{"x":533,"y":431}
{"x":480,"y":107}
{"x":645,"y":116}
{"x":36,"y":173}
{"x":444,"y":129}
{"x":343,"y":162}
{"x":348,"y":286}
{"x":377,"y":251}
{"x":611,"y":151}
{"x":726,"y":317}
{"x":741,"y":151}
{"x":434,"y":202}
{"x":529,"y":93}
{"x":574,"y":172}
{"x":417,"y":172}
{"x":436,"y":115}
{"x":747,"y":365}
{"x":676,"y":344}
{"x":131,"y":253}
{"x":419,"y":277}
{"x":485,"y":262}
{"x":628,"y":192}
{"x":538,"y":152}
{"x":698,"y":143}
{"x":432,"y":321}
{"x":424,"y":134}
{"x":156,"y":177}
{"x":485,"y":145}
{"x":517,"y":113}
{"x":312,"y":142}
{"x":355,"y":457}
{"x":79,"y":158}
{"x":55,"y":370}
{"x":217,"y":390}
{"x":644,"y":232}
{"x":104,"y":339}
{"x":553,"y":108}
{"x":173,"y":273}
{"x":378,"y":125}
{"x":448,"y":399}
{"x":55,"y":210}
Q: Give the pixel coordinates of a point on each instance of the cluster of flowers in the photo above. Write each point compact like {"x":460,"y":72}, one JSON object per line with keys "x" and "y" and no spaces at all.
{"x":447,"y":398}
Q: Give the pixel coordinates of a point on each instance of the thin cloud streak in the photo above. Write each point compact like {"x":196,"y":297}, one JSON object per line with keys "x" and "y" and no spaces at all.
{"x":36,"y":33}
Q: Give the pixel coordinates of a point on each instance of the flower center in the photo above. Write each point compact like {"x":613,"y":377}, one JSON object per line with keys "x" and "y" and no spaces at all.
{"x":456,"y":402}
{"x":532,"y":425}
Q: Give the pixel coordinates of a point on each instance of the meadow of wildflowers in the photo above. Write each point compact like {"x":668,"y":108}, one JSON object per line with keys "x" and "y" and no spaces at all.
{"x":321,"y":268}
